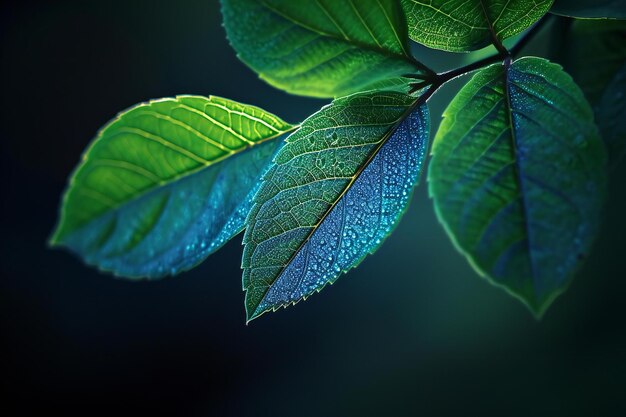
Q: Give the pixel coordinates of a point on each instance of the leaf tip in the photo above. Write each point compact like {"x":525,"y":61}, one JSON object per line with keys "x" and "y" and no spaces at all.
{"x":251,"y":307}
{"x":536,"y":310}
{"x":54,"y":240}
{"x":538,"y":306}
{"x":250,"y":316}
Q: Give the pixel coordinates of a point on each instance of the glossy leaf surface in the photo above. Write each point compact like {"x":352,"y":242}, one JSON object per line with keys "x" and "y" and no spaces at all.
{"x":591,"y":8}
{"x":166,"y":183}
{"x":467,"y":25}
{"x":321,"y":48}
{"x":518,"y":176}
{"x":337,"y":189}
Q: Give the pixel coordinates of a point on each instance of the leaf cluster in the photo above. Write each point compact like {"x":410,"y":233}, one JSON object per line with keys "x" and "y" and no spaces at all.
{"x":518,"y":170}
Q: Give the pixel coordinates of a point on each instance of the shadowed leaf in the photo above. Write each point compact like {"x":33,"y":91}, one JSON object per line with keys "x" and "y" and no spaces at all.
{"x":595,"y":55}
{"x":611,"y":116}
{"x":518,"y":177}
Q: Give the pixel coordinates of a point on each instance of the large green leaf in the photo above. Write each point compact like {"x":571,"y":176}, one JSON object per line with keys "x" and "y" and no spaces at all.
{"x":467,"y":25}
{"x":166,"y":183}
{"x":336,"y":190}
{"x":321,"y":48}
{"x":591,"y":8}
{"x":518,"y":176}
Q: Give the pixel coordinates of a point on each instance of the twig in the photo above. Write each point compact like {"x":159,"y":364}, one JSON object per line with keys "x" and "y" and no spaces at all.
{"x":503,"y":55}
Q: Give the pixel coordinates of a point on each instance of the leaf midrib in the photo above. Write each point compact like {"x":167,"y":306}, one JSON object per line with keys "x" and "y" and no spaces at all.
{"x":494,"y":36}
{"x":355,"y":177}
{"x":518,"y":171}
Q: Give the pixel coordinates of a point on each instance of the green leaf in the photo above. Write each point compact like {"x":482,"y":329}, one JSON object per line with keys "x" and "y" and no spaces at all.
{"x":518,"y":177}
{"x":166,"y":183}
{"x":467,"y":25}
{"x":591,"y":8}
{"x":321,"y":48}
{"x":337,"y":188}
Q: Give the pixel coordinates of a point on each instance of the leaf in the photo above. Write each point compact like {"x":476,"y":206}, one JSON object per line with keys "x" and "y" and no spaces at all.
{"x":336,"y":190}
{"x":611,"y":116}
{"x":596,"y":57}
{"x":591,"y":8}
{"x":595,"y":50}
{"x":467,"y":25}
{"x":166,"y":183}
{"x":321,"y":48}
{"x":518,"y":177}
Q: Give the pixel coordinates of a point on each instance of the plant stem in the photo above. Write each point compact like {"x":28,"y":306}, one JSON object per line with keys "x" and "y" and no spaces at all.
{"x":444,"y":77}
{"x":494,"y":38}
{"x":427,"y":94}
{"x":503,"y":55}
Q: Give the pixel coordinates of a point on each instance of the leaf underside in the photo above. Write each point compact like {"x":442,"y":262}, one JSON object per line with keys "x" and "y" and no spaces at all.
{"x":518,"y":177}
{"x":467,"y":25}
{"x":166,"y":183}
{"x":337,"y":189}
{"x":321,"y":48}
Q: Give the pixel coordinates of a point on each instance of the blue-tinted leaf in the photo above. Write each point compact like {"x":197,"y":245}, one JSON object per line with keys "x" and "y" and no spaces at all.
{"x":519,"y":175}
{"x":167,"y":183}
{"x":337,"y":189}
{"x":181,"y":223}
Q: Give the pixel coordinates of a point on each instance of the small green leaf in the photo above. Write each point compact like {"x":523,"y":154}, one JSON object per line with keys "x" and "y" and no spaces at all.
{"x":591,"y":8}
{"x":467,"y":25}
{"x":166,"y":183}
{"x":518,"y":177}
{"x":336,"y":190}
{"x":321,"y":48}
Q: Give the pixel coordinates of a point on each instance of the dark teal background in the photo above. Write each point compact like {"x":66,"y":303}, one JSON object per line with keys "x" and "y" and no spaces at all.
{"x":412,"y":331}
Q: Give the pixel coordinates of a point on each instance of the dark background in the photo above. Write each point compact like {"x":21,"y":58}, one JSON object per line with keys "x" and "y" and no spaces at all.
{"x":412,"y":331}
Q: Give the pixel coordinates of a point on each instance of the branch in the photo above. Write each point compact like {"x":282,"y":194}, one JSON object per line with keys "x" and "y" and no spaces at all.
{"x":503,"y":55}
{"x":442,"y":78}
